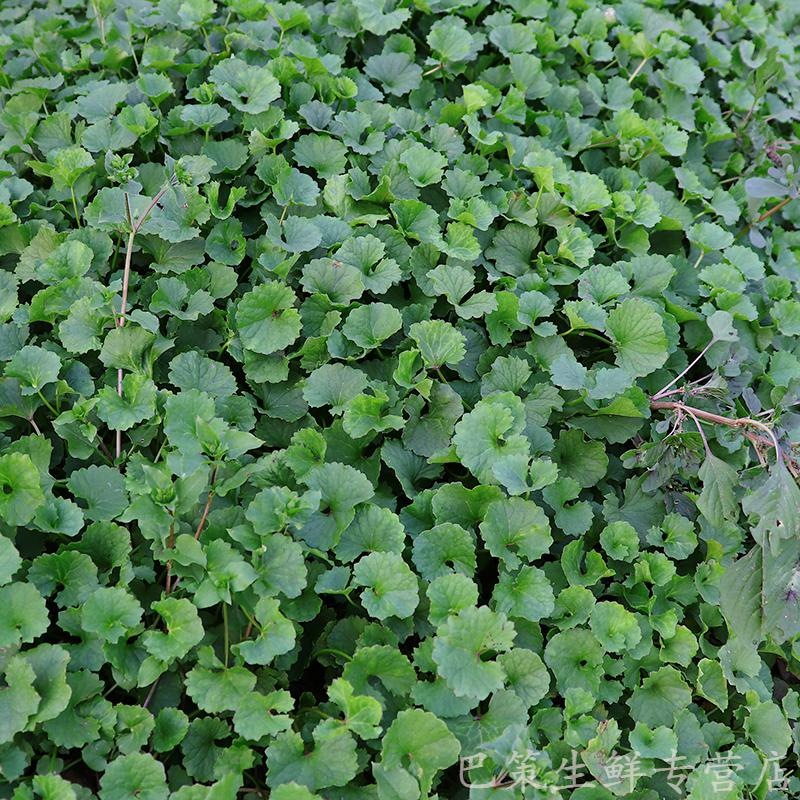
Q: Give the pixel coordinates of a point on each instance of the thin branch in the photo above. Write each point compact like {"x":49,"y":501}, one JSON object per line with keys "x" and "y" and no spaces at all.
{"x":128,"y":214}
{"x":105,"y":451}
{"x":432,"y":70}
{"x":638,"y":69}
{"x":700,"y":431}
{"x":126,"y":274}
{"x":746,"y":120}
{"x":170,"y":545}
{"x":225,"y":632}
{"x":663,"y":391}
{"x":766,"y":215}
{"x":774,"y":210}
{"x":742,"y":423}
{"x":207,"y":507}
{"x":150,"y":693}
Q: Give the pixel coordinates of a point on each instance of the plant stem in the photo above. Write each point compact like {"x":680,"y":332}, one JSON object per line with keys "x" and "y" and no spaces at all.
{"x":75,"y":206}
{"x":120,"y":320}
{"x":150,"y":694}
{"x":47,"y":404}
{"x":126,"y":278}
{"x":225,"y":631}
{"x":662,"y":392}
{"x":700,"y":431}
{"x":101,"y":23}
{"x":207,"y":505}
{"x":739,"y":422}
{"x":586,"y":332}
{"x":104,"y":451}
{"x":34,"y":425}
{"x":699,"y":259}
{"x":170,"y":544}
{"x":774,"y":210}
{"x":638,"y":69}
{"x":766,"y":215}
{"x":334,"y":652}
{"x":432,"y":70}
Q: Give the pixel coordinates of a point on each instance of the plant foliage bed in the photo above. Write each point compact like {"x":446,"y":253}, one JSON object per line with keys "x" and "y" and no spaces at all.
{"x":399,"y":396}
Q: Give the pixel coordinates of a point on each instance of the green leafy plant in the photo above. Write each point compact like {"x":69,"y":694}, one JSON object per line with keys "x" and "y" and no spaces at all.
{"x":398,"y":401}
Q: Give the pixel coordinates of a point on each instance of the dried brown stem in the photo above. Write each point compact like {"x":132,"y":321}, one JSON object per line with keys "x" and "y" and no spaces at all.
{"x":766,"y":215}
{"x":742,"y":423}
{"x":700,"y":430}
{"x":665,"y":390}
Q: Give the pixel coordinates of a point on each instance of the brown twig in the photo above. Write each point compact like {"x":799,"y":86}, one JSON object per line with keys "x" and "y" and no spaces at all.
{"x":766,"y":215}
{"x":699,"y":427}
{"x":207,"y":507}
{"x":741,"y":423}
{"x":774,"y":210}
{"x":665,"y":389}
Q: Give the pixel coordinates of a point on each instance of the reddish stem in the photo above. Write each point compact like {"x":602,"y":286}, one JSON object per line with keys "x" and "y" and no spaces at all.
{"x":739,"y":422}
{"x":766,"y":215}
{"x":207,"y":507}
{"x":774,"y":210}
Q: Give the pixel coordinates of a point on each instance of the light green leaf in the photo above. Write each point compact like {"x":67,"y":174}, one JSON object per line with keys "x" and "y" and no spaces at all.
{"x":266,"y":318}
{"x":638,"y":334}
{"x":390,"y":586}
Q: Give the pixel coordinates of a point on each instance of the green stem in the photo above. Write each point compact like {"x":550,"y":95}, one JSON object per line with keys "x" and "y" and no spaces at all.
{"x":225,"y":631}
{"x":47,"y":404}
{"x":319,"y":554}
{"x":75,"y":206}
{"x":699,"y":259}
{"x":432,"y":70}
{"x":251,"y":623}
{"x":114,"y":262}
{"x":334,"y":652}
{"x":588,"y":333}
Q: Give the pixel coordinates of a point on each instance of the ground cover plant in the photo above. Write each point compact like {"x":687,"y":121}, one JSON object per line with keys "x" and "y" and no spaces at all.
{"x":398,"y":400}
